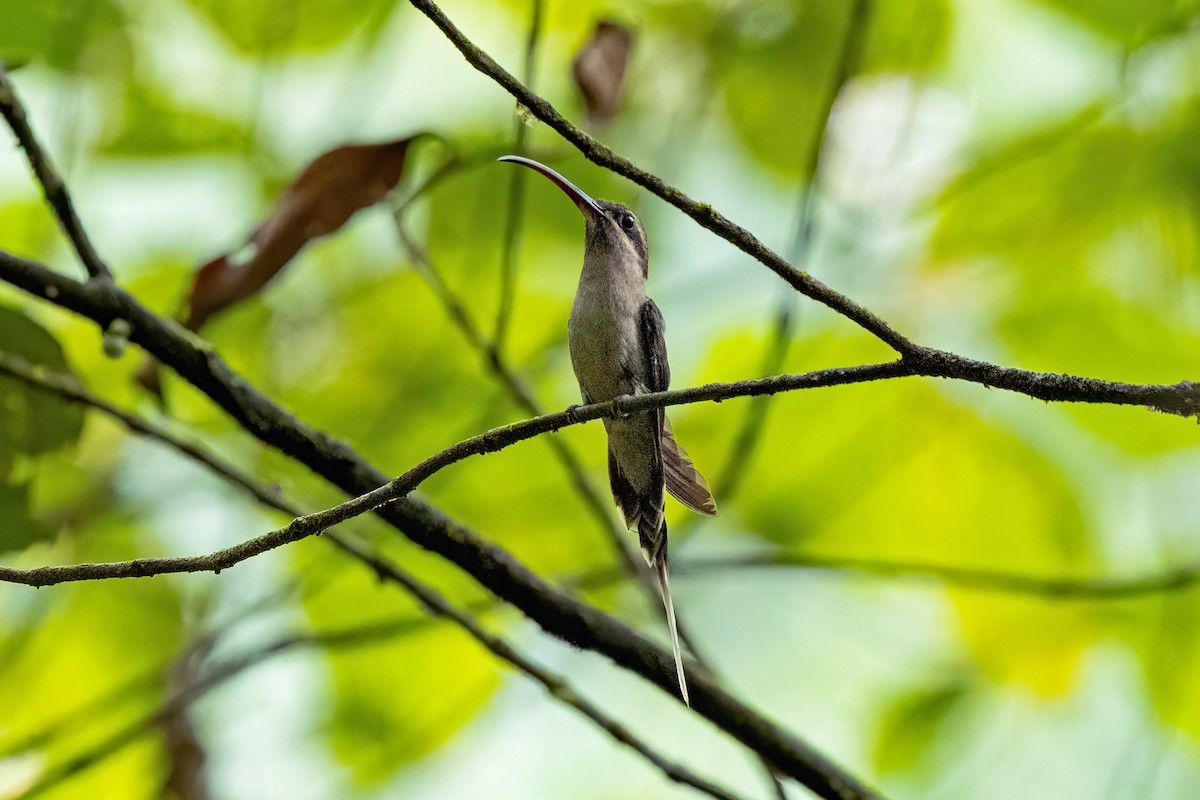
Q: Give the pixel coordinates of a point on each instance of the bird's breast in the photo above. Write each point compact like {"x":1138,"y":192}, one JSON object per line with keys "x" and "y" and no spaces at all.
{"x":604,"y":340}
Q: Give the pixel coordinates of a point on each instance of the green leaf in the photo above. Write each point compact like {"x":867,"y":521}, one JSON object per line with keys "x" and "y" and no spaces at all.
{"x":381,"y":722}
{"x":66,"y":34}
{"x":912,"y":724}
{"x":905,"y":35}
{"x":33,"y":421}
{"x":1131,"y":23}
{"x":403,"y":691}
{"x":776,"y":67}
{"x":277,"y":26}
{"x":153,"y":124}
{"x":17,"y":528}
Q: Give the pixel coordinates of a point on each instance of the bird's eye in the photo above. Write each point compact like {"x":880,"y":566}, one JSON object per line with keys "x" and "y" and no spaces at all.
{"x":627,"y":221}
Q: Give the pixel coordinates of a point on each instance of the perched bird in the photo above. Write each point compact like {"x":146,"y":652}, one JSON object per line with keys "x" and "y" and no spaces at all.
{"x":616,"y":338}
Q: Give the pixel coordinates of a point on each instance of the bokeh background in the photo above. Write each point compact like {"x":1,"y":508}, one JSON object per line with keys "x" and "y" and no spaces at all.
{"x":1014,"y":180}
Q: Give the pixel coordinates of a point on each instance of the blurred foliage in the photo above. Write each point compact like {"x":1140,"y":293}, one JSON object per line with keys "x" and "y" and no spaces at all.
{"x":278,"y":27}
{"x":912,"y":721}
{"x":1065,"y":239}
{"x":33,"y":423}
{"x":68,"y":35}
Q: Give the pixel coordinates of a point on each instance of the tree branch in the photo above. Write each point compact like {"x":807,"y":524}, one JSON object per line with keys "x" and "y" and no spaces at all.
{"x":555,"y":686}
{"x":52,"y":184}
{"x":556,"y":613}
{"x":1094,"y":588}
{"x":702,"y":213}
{"x":436,"y":605}
{"x":1182,"y":399}
{"x":490,"y":441}
{"x":1082,"y":589}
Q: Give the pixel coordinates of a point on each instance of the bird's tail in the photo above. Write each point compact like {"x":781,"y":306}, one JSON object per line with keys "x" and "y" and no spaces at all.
{"x":659,"y":565}
{"x":683,"y":480}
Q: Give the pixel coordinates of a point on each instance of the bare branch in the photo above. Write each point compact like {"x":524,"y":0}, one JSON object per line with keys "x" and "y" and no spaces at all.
{"x":1095,"y":588}
{"x":702,"y":213}
{"x":1182,"y":399}
{"x":488,"y":442}
{"x":52,"y":184}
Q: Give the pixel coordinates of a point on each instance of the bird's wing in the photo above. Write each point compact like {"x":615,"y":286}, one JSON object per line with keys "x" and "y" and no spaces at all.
{"x":654,"y":345}
{"x":683,"y":480}
{"x":657,"y":378}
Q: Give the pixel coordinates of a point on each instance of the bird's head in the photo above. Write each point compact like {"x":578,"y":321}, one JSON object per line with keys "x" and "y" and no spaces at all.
{"x":613,"y":232}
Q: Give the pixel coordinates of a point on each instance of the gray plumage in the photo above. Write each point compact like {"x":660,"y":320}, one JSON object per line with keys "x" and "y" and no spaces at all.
{"x":618,"y":347}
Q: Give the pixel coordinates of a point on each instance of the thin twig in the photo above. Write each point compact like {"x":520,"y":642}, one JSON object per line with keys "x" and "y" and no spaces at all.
{"x":52,"y":184}
{"x":516,"y":192}
{"x":1081,"y":589}
{"x":1100,"y":588}
{"x":491,"y":441}
{"x":555,"y":686}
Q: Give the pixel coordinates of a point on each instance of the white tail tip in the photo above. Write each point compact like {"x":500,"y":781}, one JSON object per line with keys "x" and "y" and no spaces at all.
{"x":664,"y":587}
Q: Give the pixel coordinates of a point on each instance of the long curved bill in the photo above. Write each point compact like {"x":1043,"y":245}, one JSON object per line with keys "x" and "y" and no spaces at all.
{"x":585,"y":204}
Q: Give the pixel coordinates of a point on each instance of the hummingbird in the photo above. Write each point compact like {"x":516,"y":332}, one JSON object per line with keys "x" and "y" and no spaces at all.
{"x":616,"y":336}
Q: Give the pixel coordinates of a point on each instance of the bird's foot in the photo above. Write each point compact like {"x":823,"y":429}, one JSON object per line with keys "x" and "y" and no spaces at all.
{"x":620,"y":408}
{"x":572,"y":413}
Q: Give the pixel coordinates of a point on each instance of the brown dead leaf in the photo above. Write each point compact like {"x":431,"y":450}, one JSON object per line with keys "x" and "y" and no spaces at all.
{"x":324,"y":196}
{"x":599,"y":69}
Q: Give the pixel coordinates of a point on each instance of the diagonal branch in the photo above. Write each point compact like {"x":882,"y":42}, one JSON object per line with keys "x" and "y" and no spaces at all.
{"x":1184,"y":399}
{"x":702,"y":213}
{"x":555,"y":686}
{"x":52,"y":184}
{"x":555,"y":612}
{"x":433,"y":603}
